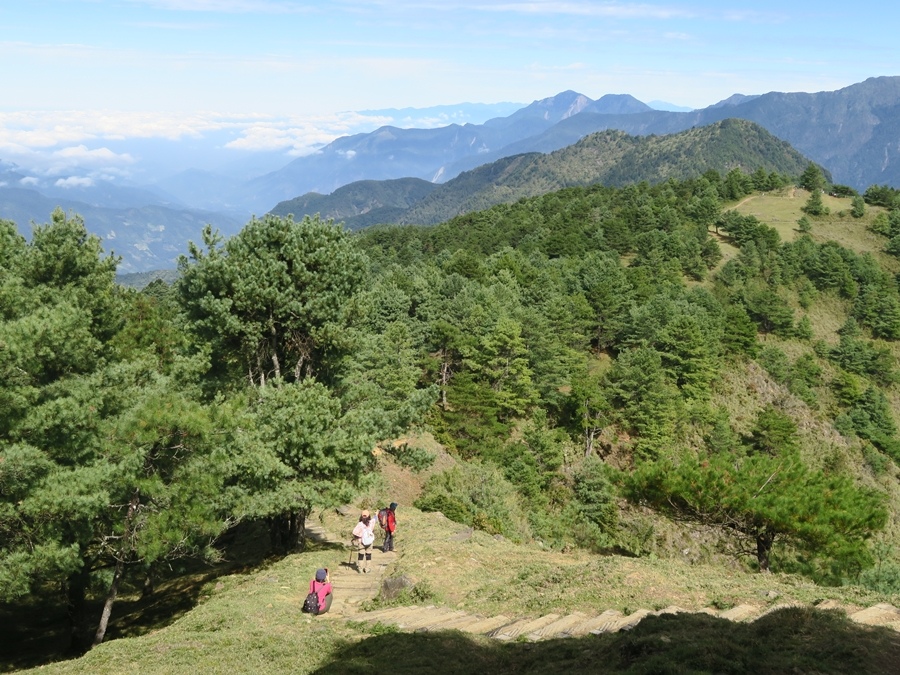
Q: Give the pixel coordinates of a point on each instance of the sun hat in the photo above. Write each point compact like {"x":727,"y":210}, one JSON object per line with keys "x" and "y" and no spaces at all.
{"x":365,"y":513}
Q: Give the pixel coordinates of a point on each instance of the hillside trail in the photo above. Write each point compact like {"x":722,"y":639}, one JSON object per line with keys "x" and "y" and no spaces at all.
{"x":351,"y":589}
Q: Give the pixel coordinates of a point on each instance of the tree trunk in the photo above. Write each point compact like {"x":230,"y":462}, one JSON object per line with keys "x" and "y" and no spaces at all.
{"x":124,"y":552}
{"x":764,"y":541}
{"x":76,"y":589}
{"x":445,"y":380}
{"x":108,"y":605}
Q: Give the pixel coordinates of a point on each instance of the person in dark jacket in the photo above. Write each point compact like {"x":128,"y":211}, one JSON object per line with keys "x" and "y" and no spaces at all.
{"x":390,"y":526}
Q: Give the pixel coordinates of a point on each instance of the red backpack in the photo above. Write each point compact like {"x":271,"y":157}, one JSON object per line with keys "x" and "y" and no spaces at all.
{"x":382,"y":517}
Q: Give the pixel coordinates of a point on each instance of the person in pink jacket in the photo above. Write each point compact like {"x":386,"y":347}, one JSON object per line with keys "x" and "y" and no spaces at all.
{"x":364,"y":537}
{"x":321,"y":586}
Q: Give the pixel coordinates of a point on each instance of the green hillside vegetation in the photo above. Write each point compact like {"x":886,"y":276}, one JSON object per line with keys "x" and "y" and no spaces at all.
{"x":612,"y":158}
{"x":365,"y":202}
{"x":630,"y":416}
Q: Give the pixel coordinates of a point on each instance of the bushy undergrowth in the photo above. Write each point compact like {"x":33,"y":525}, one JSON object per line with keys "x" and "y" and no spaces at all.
{"x":477,"y":494}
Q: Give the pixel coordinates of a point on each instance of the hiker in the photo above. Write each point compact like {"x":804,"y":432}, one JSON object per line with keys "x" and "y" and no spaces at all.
{"x":390,"y":526}
{"x":364,"y":537}
{"x":321,"y":586}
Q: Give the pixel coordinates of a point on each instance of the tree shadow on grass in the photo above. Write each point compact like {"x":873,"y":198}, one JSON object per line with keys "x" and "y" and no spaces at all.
{"x":793,"y":640}
{"x":35,"y":630}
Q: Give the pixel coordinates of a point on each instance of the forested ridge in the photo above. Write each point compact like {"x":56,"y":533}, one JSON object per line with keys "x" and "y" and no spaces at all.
{"x":586,"y":355}
{"x":608,"y":157}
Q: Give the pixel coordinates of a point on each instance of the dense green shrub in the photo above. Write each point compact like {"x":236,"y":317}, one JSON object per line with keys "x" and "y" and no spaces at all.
{"x":477,"y":494}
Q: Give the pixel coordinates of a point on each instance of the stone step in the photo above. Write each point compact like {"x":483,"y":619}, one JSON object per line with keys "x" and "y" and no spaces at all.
{"x":775,"y":608}
{"x":877,"y":615}
{"x":561,"y":625}
{"x":385,"y":614}
{"x":740,"y":613}
{"x":457,"y":622}
{"x":620,"y":622}
{"x":444,"y":621}
{"x":485,"y":626}
{"x":633,"y":619}
{"x":594,"y":623}
{"x":427,"y":618}
{"x":522,"y":627}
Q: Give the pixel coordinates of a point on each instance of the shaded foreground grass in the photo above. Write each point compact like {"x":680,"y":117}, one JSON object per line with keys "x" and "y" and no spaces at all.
{"x":249,"y":621}
{"x":793,"y":640}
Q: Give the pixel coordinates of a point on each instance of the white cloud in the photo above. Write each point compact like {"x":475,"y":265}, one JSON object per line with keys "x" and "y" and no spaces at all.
{"x":302,"y":136}
{"x":29,"y":180}
{"x":229,"y":6}
{"x":609,"y":10}
{"x":74,"y":181}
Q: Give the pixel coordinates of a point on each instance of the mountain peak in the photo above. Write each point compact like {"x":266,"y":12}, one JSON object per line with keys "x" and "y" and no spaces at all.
{"x":618,"y":104}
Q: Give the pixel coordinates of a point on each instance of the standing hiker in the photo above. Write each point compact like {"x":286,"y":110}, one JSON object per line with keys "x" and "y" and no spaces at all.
{"x":364,"y":537}
{"x":390,"y":526}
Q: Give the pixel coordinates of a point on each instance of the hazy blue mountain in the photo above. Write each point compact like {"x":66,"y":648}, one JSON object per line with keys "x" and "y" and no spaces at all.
{"x":366,"y":202}
{"x":148,"y":237}
{"x":392,"y":152}
{"x":457,"y":113}
{"x":670,"y":107}
{"x":208,"y":191}
{"x":616,"y":104}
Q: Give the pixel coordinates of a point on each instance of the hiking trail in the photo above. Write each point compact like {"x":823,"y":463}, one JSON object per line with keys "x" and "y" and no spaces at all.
{"x":352,"y":588}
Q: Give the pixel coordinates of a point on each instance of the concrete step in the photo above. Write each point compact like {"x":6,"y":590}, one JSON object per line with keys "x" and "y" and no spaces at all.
{"x":522,"y":627}
{"x":426,"y":618}
{"x":617,"y":623}
{"x":485,"y":626}
{"x":877,"y":615}
{"x":633,"y":619}
{"x":385,"y":614}
{"x":443,"y":620}
{"x":459,"y":623}
{"x":554,"y":629}
{"x":740,"y":613}
{"x":595,"y":623}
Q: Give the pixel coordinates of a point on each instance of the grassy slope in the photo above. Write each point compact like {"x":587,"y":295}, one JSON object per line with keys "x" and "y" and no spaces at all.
{"x":250,"y":622}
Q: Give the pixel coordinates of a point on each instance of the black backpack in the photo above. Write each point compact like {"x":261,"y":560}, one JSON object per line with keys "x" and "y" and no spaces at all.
{"x":311,"y":604}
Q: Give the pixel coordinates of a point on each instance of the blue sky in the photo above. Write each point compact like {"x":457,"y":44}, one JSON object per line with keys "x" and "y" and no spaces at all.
{"x":289,"y":73}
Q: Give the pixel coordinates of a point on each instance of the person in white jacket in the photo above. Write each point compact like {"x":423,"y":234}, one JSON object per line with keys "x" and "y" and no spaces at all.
{"x":364,"y":537}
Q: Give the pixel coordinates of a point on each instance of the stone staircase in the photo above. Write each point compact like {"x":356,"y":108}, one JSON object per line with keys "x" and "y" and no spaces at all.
{"x":351,"y":589}
{"x":576,"y":624}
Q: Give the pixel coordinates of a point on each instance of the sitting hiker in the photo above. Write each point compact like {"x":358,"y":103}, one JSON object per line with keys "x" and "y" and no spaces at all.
{"x":364,"y":537}
{"x":321,"y":586}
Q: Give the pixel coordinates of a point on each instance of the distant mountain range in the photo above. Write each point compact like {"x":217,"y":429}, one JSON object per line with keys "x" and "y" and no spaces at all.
{"x":852,"y":132}
{"x":608,"y":157}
